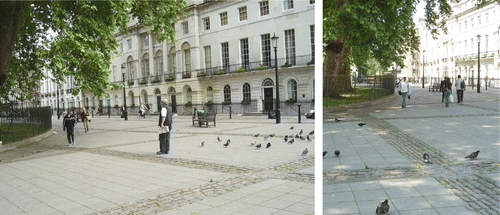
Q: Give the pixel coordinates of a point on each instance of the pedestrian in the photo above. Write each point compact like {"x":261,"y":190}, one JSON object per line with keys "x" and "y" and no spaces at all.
{"x":85,"y":119}
{"x":142,"y":110}
{"x":405,"y":89}
{"x":165,"y":127}
{"x":446,"y":86}
{"x":123,"y":112}
{"x":442,"y":90}
{"x":460,"y":86}
{"x":69,"y":123}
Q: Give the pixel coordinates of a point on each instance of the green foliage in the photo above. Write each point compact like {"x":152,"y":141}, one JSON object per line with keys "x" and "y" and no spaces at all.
{"x":188,"y":104}
{"x":359,"y":95}
{"x":222,"y":72}
{"x":226,"y":102}
{"x":263,"y":68}
{"x":76,"y":39}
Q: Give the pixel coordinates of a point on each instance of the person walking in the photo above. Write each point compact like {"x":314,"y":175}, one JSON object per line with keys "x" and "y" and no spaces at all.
{"x":69,"y":123}
{"x":85,"y":120}
{"x":405,"y":89}
{"x":442,"y":89}
{"x":460,"y":86}
{"x":446,"y":86}
{"x":165,"y":127}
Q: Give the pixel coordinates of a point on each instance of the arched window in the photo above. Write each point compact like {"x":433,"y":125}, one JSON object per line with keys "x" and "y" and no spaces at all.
{"x":145,"y":65}
{"x":291,"y":90}
{"x":159,"y":63}
{"x":189,"y":95}
{"x":227,"y":93}
{"x":210,"y":94}
{"x":172,"y":59}
{"x":247,"y":96}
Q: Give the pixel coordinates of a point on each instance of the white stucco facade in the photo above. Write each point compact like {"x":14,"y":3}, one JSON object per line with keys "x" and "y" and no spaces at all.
{"x":456,"y":53}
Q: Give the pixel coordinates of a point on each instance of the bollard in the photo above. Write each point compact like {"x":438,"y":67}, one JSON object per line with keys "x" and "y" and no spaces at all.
{"x":109,"y":111}
{"x":300,"y":120}
{"x":230,"y":113}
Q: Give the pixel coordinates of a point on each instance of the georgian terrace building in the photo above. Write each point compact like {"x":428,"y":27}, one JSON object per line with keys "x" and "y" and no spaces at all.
{"x":223,"y":57}
{"x":456,"y":53}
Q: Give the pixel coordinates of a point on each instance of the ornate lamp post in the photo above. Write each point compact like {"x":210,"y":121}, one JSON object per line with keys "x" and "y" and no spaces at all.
{"x":58,"y":113}
{"x":478,"y":64}
{"x":274,"y":41}
{"x":124,"y":95}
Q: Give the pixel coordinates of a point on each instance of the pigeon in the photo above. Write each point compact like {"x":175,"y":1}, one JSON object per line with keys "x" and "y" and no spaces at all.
{"x":202,"y":143}
{"x":308,"y":139}
{"x":291,"y":141}
{"x":311,"y":133}
{"x":302,"y":138}
{"x":300,"y":132}
{"x":426,"y":158}
{"x":286,"y":138}
{"x":296,"y":136}
{"x":271,"y":135}
{"x":258,"y":146}
{"x":337,"y":153}
{"x":228,"y":141}
{"x":382,"y":207}
{"x":226,"y":144}
{"x":324,"y":153}
{"x":252,"y":144}
{"x":265,"y":137}
{"x":361,"y":124}
{"x":337,"y":120}
{"x":256,"y":135}
{"x":218,"y":139}
{"x":305,"y":152}
{"x":473,"y":155}
{"x":268,"y":145}
{"x":291,"y":128}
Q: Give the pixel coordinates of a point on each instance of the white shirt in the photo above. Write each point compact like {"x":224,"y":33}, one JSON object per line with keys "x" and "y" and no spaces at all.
{"x":164,"y":112}
{"x":404,"y":88}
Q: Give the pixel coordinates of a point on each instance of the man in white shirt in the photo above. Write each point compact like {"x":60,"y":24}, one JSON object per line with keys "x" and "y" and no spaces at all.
{"x":460,"y":85}
{"x":165,"y":123}
{"x":405,"y":89}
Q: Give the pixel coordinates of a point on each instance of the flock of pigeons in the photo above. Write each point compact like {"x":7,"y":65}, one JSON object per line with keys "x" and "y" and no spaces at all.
{"x":290,"y":139}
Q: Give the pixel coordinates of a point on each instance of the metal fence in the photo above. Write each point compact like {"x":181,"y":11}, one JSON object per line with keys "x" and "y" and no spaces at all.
{"x":18,"y":123}
{"x":386,"y":82}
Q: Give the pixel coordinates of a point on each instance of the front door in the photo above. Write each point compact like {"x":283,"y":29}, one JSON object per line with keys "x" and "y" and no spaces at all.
{"x":268,"y":99}
{"x":158,"y":101}
{"x":173,"y":104}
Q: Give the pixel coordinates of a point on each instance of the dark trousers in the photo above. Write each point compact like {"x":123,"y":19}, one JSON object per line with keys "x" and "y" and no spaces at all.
{"x":442,"y":96}
{"x":460,"y":96}
{"x":165,"y":142}
{"x":71,"y":135}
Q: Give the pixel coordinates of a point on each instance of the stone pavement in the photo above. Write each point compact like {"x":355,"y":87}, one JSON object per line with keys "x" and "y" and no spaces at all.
{"x":114,"y":169}
{"x":383,"y":160}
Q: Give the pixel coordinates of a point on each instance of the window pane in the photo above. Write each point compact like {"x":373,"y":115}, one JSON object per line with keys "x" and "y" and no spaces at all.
{"x":312,"y":41}
{"x":223,"y":18}
{"x":264,"y":8}
{"x":225,"y":54}
{"x":245,"y":60}
{"x":243,"y":13}
{"x":291,"y":89}
{"x":287,"y":4}
{"x":187,"y":59}
{"x":246,"y":92}
{"x":290,"y":46}
{"x":208,"y":57}
{"x":266,"y":49}
{"x":227,"y":93}
{"x":206,"y":23}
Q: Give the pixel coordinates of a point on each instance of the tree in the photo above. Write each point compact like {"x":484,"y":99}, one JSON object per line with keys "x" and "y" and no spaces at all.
{"x":71,"y":38}
{"x":357,"y":30}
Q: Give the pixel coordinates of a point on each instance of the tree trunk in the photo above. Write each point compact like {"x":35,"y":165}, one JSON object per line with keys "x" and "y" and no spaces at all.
{"x":11,"y":13}
{"x":336,"y":74}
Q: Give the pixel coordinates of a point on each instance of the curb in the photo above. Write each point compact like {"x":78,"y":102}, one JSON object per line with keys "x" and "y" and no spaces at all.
{"x":28,"y":141}
{"x":360,"y":105}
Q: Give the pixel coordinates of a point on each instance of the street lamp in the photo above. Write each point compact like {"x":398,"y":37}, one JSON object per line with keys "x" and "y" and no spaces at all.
{"x":478,"y":64}
{"x":58,"y":114}
{"x":124,"y":95}
{"x":274,"y":41}
{"x":423,"y":70}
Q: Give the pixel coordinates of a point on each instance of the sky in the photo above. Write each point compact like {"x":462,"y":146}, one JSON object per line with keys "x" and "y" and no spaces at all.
{"x":420,"y":11}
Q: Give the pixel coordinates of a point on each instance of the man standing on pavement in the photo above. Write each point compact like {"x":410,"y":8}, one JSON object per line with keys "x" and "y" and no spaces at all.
{"x":165,"y":124}
{"x":460,"y":85}
{"x":442,"y":89}
{"x":69,"y":122}
{"x":405,"y":89}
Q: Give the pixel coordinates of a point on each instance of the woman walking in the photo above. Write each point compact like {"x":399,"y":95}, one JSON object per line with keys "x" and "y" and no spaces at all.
{"x":85,"y":119}
{"x":446,"y":86}
{"x":405,"y":89}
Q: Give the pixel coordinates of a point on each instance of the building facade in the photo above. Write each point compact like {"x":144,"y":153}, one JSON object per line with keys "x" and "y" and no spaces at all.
{"x":456,"y":52}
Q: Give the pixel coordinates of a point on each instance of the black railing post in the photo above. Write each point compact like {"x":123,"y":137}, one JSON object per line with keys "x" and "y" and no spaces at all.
{"x":230,"y":113}
{"x":300,"y":120}
{"x":109,"y":111}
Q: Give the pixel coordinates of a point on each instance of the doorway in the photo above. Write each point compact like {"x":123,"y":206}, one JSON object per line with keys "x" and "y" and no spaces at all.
{"x":173,"y":103}
{"x":268,"y":99}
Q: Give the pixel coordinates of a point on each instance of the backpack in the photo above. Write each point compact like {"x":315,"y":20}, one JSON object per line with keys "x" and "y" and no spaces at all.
{"x":462,"y":85}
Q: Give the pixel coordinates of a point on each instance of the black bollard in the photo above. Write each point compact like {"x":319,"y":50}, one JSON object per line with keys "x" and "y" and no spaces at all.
{"x":300,"y":120}
{"x":109,"y":111}
{"x":230,"y":113}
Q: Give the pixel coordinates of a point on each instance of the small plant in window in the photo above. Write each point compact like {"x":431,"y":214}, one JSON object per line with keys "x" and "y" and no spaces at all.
{"x":221,"y":72}
{"x":143,"y":81}
{"x":286,"y":65}
{"x":226,"y":102}
{"x":246,"y":102}
{"x":130,"y":83}
{"x":263,"y":67}
{"x":242,"y":69}
{"x":169,"y":78}
{"x":188,"y":104}
{"x":209,"y":103}
{"x":291,"y":101}
{"x":201,"y":74}
{"x":156,"y":80}
{"x":186,"y":75}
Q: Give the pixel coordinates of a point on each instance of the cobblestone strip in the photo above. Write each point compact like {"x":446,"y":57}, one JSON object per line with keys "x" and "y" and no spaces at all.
{"x":459,"y":177}
{"x":371,"y":174}
{"x":186,"y":196}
